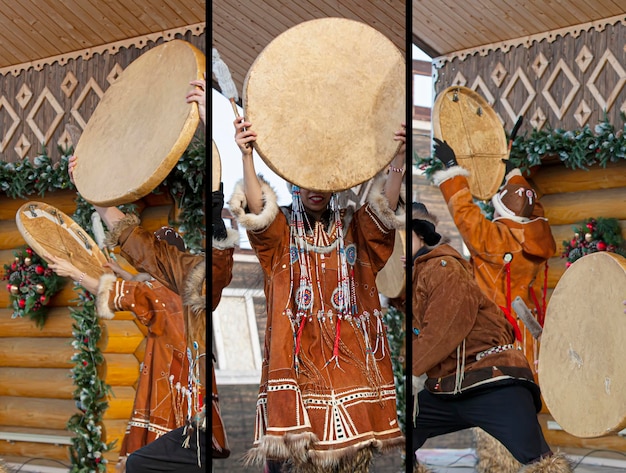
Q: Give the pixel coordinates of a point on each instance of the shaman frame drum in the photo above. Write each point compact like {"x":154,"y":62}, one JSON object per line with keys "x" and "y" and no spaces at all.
{"x":465,"y":120}
{"x":325,"y":98}
{"x":581,"y":359}
{"x":141,"y":127}
{"x":47,"y":230}
{"x":216,"y":167}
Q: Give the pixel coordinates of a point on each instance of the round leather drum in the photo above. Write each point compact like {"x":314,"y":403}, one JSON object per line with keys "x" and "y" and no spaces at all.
{"x":141,"y":126}
{"x":47,"y":230}
{"x":391,"y":280}
{"x":216,"y":168}
{"x":465,"y":120}
{"x":325,"y":98}
{"x":581,"y":359}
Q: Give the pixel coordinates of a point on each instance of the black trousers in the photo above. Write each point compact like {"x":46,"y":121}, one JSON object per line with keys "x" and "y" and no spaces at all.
{"x":166,"y":454}
{"x":507,"y":412}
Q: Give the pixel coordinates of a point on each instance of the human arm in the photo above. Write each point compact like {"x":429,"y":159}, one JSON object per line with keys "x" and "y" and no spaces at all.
{"x":397,"y":168}
{"x":64,"y":268}
{"x":244,"y":137}
{"x":198,"y":95}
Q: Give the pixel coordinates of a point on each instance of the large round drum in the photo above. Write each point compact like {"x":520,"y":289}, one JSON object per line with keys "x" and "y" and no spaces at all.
{"x":47,"y":230}
{"x":581,"y":359}
{"x":325,"y":98}
{"x":141,"y":127}
{"x":465,"y":120}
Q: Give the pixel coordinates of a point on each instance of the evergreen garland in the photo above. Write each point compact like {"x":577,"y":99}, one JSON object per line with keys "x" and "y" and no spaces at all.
{"x":575,"y":149}
{"x":87,"y":449}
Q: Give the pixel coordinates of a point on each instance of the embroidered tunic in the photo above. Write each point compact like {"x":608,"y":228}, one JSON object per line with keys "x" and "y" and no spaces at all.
{"x":327,"y":387}
{"x":160,"y":404}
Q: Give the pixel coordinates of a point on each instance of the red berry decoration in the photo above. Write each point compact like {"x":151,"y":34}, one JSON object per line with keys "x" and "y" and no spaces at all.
{"x":601,"y":246}
{"x":21,"y":303}
{"x":39,"y":269}
{"x":29,"y":251}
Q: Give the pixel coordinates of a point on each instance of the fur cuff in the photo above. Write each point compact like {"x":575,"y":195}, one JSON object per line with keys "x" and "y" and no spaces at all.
{"x":557,"y":463}
{"x":380,"y":205}
{"x":193,"y":295}
{"x":512,"y":172}
{"x":250,"y":221}
{"x":445,"y":174}
{"x":419,"y":468}
{"x":113,"y":235}
{"x":493,"y":457}
{"x":232,"y":239}
{"x":102,"y":298}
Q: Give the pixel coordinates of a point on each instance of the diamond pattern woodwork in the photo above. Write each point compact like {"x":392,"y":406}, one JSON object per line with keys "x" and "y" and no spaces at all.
{"x":498,"y":74}
{"x":540,"y":64}
{"x":459,"y":79}
{"x":523,"y":78}
{"x":15,"y":121}
{"x":559,"y":111}
{"x":480,"y":87}
{"x":92,"y":85}
{"x":607,"y":59}
{"x":22,"y":147}
{"x":538,"y":119}
{"x":23,"y":96}
{"x":114,"y":74}
{"x":45,"y":95}
{"x":582,"y":113}
{"x":69,"y":84}
{"x":584,"y":58}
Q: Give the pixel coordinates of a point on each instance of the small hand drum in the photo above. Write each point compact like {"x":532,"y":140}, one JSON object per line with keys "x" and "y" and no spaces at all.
{"x":47,"y":230}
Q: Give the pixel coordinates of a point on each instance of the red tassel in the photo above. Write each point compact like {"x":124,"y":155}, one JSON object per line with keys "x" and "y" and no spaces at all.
{"x":299,"y":336}
{"x":336,"y":345}
{"x":513,"y":322}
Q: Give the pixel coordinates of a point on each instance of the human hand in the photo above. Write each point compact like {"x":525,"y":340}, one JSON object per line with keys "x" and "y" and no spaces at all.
{"x":244,"y":135}
{"x":400,"y":135}
{"x":71,"y":165}
{"x":444,"y":153}
{"x":198,"y":95}
{"x":62,"y":267}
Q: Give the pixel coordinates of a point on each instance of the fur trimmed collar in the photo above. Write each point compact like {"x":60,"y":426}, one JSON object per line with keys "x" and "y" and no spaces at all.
{"x":445,"y":174}
{"x":380,"y":205}
{"x":113,"y":235}
{"x":195,"y":286}
{"x":254,"y":222}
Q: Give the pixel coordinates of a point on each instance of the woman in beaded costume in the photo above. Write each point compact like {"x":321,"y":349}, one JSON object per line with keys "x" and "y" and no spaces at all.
{"x":327,"y":400}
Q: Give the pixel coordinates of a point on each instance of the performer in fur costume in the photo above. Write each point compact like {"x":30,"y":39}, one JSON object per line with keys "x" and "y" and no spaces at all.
{"x":509,"y":258}
{"x":327,"y":399}
{"x":182,"y":450}
{"x":476,"y":377}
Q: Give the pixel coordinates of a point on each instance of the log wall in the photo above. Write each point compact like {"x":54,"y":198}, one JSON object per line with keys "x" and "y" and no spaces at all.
{"x":35,"y":384}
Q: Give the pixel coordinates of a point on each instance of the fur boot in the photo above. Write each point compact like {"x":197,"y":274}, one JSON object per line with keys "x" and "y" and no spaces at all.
{"x":419,"y":468}
{"x":556,"y":463}
{"x":493,"y":457}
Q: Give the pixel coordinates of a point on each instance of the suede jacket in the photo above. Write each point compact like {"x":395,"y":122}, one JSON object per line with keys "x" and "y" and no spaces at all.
{"x":454,"y":327}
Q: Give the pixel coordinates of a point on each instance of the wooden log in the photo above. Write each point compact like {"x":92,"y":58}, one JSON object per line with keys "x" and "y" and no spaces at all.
{"x":558,"y":179}
{"x":140,"y":352}
{"x":55,"y":383}
{"x":120,"y":336}
{"x":64,"y":200}
{"x":566,"y":233}
{"x":36,"y":412}
{"x":114,"y":429}
{"x":29,"y":450}
{"x":10,"y":237}
{"x":36,"y":353}
{"x":560,"y":438}
{"x":153,"y":218}
{"x":58,"y":324}
{"x":121,"y":401}
{"x":556,"y":268}
{"x":577,"y":206}
{"x":119,"y":369}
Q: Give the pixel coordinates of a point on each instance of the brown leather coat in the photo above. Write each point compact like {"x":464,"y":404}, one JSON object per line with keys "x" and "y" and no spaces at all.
{"x":323,"y":413}
{"x":456,"y":322}
{"x":159,"y":404}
